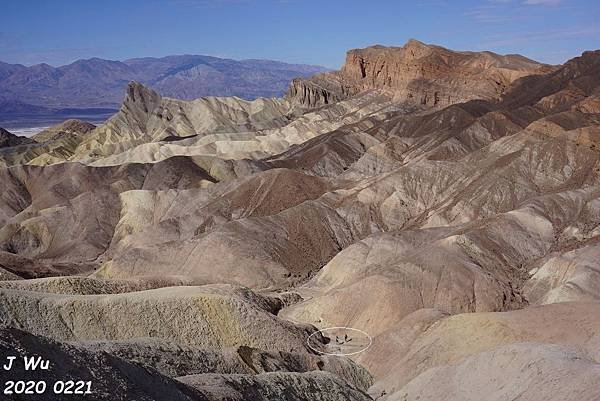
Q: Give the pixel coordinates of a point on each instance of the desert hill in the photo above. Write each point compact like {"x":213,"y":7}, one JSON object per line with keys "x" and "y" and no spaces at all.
{"x":461,"y":234}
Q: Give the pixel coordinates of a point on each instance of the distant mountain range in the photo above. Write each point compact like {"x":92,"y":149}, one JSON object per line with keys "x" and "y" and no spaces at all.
{"x":98,"y":83}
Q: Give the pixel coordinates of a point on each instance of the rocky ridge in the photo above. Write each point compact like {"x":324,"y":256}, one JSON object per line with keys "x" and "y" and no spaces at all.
{"x":417,"y":73}
{"x":69,"y":127}
{"x":8,"y":139}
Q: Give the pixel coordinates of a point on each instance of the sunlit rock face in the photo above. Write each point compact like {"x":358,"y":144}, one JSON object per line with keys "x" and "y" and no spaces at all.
{"x":417,"y":73}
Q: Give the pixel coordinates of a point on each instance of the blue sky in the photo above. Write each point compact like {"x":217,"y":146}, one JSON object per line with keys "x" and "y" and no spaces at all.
{"x":300,"y":31}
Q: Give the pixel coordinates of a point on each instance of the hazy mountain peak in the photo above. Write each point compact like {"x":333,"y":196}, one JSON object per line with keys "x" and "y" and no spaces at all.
{"x":174,"y":76}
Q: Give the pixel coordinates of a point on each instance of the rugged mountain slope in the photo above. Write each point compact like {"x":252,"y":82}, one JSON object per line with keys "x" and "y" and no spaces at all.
{"x":416,"y":73}
{"x":8,"y":139}
{"x":150,"y":128}
{"x":146,"y":117}
{"x":238,"y":142}
{"x":69,"y":127}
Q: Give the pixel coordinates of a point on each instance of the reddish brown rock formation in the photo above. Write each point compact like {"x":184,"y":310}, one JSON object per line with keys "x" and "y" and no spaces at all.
{"x":417,"y":73}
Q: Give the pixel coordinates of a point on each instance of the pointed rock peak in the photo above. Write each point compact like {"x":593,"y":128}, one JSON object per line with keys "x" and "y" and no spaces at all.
{"x":136,"y":91}
{"x":139,"y":95}
{"x":589,"y":61}
{"x":8,"y":139}
{"x":591,"y":54}
{"x":415,"y":43}
{"x":417,"y":49}
{"x":5,"y":133}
